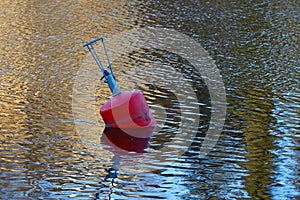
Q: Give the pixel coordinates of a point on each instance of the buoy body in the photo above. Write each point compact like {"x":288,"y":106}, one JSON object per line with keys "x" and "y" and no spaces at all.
{"x":127,"y":110}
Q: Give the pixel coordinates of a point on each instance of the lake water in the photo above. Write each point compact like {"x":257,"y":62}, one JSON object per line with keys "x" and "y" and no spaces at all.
{"x":51,"y":134}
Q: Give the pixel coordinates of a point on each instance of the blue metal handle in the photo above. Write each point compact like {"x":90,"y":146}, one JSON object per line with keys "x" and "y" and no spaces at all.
{"x":93,"y":41}
{"x":109,"y":77}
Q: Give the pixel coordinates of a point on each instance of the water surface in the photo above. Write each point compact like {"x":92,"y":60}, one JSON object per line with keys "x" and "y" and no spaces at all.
{"x":256,"y":48}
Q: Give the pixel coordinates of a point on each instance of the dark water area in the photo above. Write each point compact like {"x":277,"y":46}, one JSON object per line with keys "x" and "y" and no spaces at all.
{"x":255,"y":46}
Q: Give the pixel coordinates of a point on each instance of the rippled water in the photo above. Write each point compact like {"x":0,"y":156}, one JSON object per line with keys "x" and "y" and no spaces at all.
{"x":255,"y":46}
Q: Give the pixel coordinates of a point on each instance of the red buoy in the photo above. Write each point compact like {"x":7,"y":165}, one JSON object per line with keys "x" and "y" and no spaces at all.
{"x":124,"y":109}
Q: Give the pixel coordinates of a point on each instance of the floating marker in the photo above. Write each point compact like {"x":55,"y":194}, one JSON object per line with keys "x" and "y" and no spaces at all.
{"x":124,"y":109}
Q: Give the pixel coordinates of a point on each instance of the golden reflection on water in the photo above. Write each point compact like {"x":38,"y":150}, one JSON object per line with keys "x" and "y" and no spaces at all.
{"x":42,"y":46}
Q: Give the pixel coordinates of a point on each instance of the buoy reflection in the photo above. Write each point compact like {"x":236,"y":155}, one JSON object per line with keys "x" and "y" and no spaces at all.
{"x":127,"y":141}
